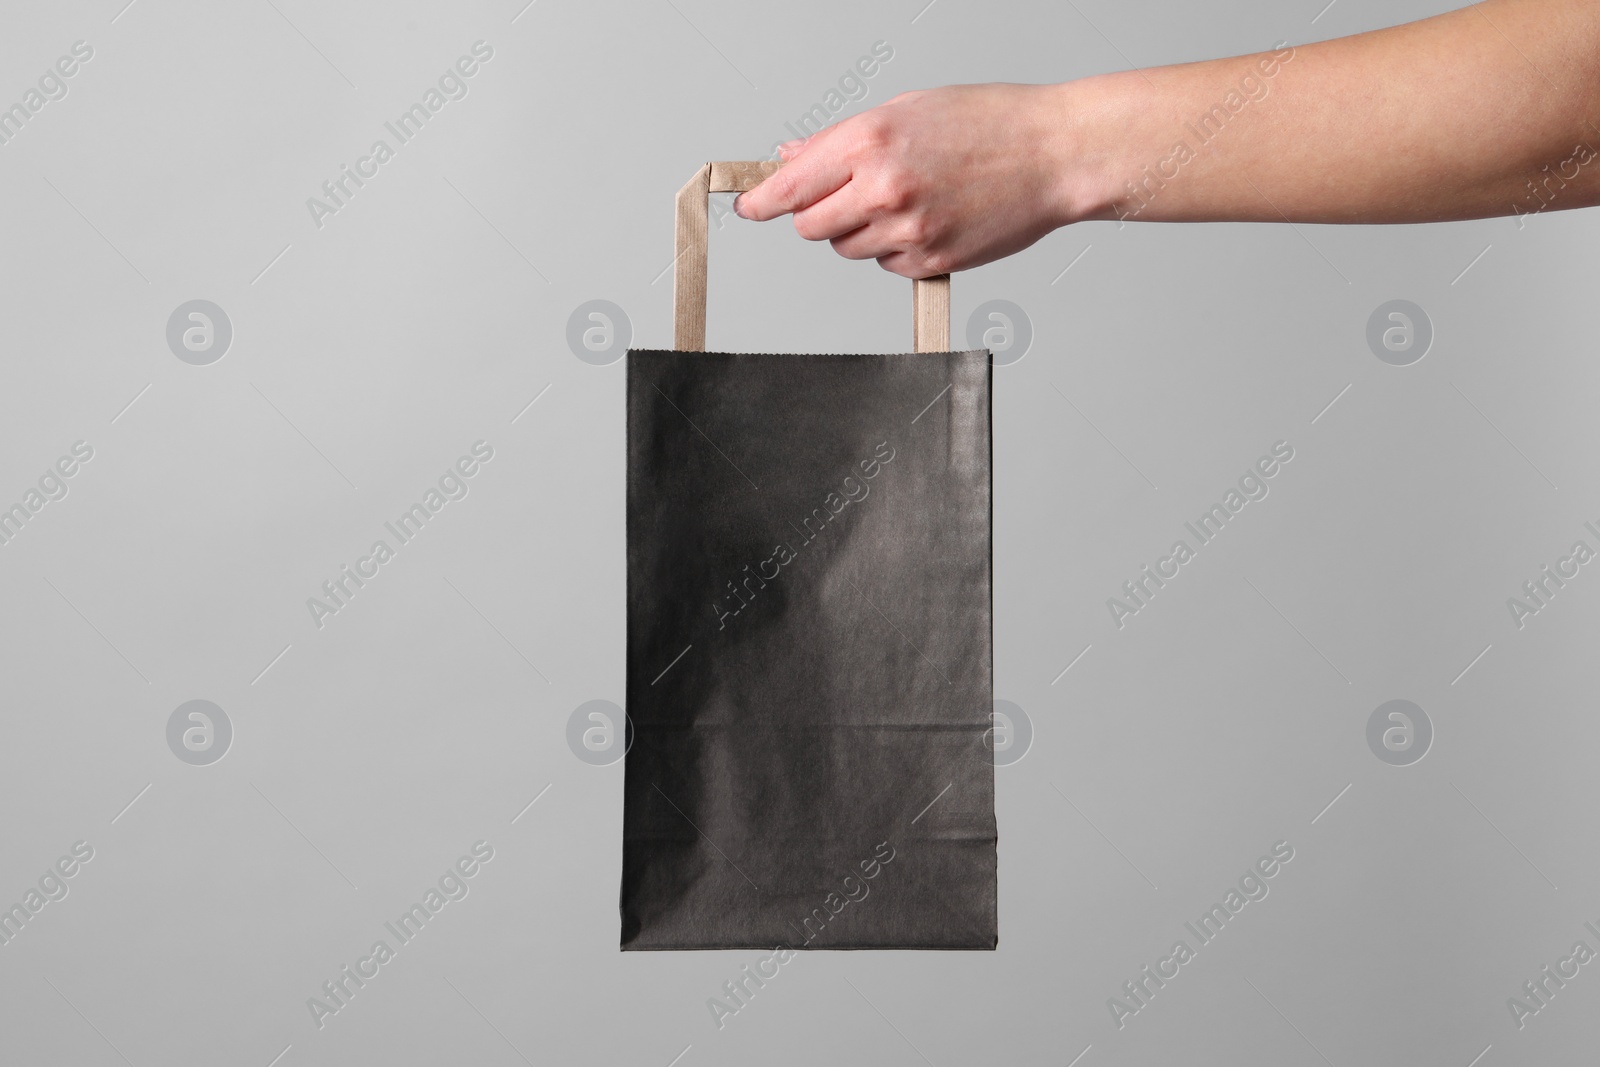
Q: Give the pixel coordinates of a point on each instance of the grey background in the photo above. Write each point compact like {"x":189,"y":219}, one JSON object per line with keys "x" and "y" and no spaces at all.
{"x":368,"y":755}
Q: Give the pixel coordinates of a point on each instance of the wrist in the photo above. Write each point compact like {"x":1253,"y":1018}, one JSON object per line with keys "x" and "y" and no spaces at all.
{"x":1084,"y":147}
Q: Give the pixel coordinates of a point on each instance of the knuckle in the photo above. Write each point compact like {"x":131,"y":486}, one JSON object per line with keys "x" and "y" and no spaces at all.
{"x":916,"y":230}
{"x":872,"y":131}
{"x":898,"y":194}
{"x":889,"y":190}
{"x":782,"y":190}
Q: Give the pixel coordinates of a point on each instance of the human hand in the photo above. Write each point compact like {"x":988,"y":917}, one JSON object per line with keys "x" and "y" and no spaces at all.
{"x":932,"y":181}
{"x":1444,"y":118}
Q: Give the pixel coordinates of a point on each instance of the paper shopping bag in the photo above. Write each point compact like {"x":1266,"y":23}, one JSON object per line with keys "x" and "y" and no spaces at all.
{"x":809,"y":637}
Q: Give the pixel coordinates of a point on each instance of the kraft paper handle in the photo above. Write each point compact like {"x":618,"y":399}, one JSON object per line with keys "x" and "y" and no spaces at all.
{"x":930,"y":297}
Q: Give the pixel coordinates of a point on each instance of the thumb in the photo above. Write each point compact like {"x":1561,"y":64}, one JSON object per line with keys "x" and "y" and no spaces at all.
{"x":792,"y":149}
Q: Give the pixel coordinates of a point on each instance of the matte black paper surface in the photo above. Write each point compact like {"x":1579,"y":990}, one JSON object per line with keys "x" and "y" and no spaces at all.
{"x":809,"y":652}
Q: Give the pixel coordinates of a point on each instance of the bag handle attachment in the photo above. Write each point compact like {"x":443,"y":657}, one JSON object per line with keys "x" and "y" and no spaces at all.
{"x":930,"y":297}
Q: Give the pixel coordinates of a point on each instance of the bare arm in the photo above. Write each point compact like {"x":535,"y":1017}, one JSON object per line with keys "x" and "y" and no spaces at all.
{"x":1490,"y":110}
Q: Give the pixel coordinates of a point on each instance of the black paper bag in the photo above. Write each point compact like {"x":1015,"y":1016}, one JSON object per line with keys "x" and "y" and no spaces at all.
{"x":809,"y":645}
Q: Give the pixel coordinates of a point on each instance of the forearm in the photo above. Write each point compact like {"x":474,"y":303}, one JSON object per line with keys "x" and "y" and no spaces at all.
{"x":1485,"y":111}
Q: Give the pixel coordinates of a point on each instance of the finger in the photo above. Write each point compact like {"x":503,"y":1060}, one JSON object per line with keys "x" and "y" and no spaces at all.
{"x":790,"y":149}
{"x":821,"y":169}
{"x":903,"y":264}
{"x":867,"y":242}
{"x":833,"y":216}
